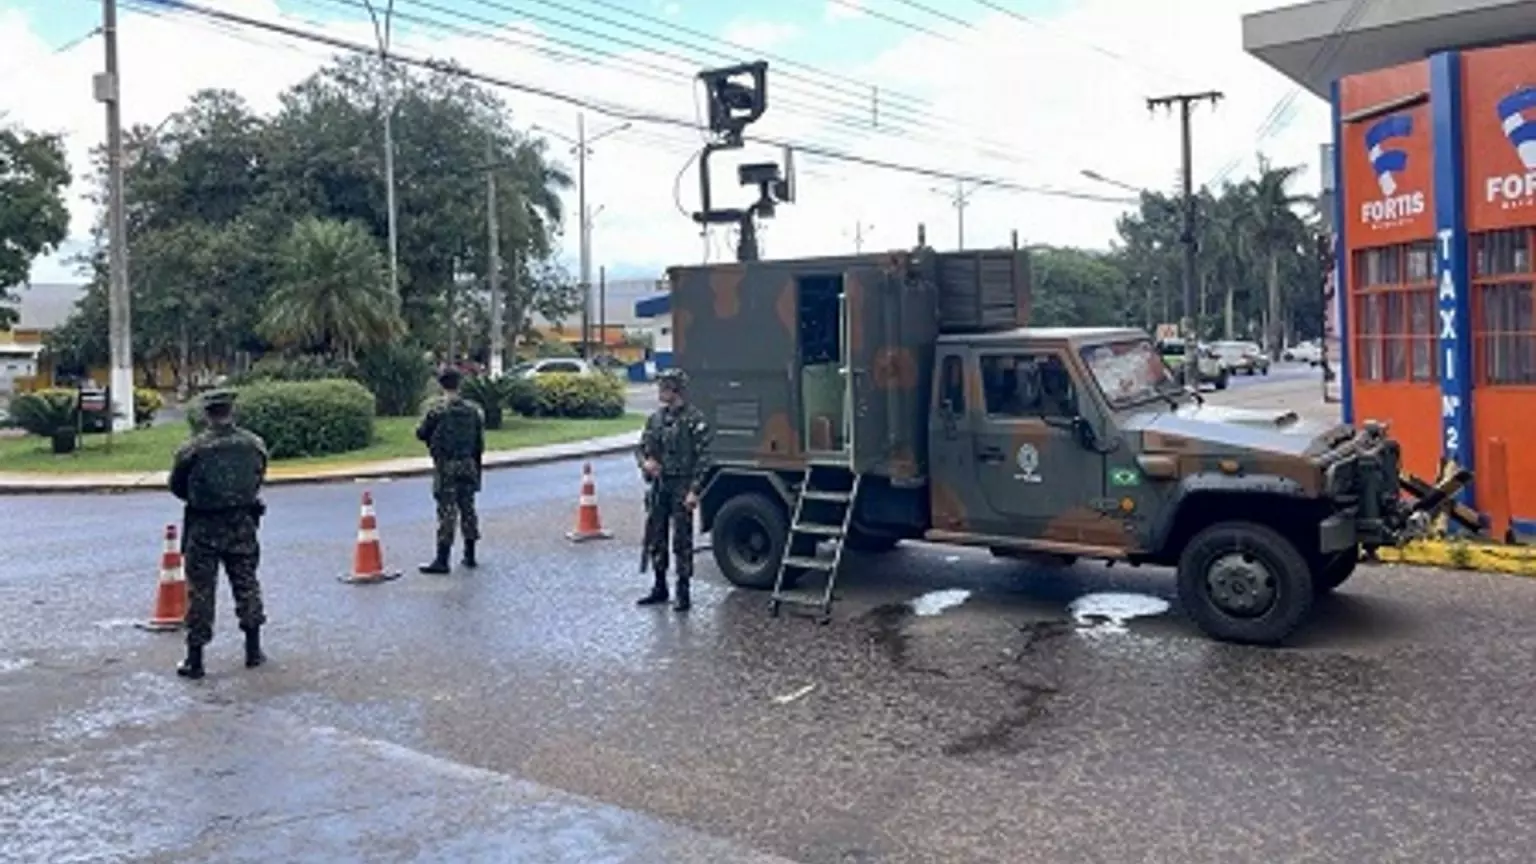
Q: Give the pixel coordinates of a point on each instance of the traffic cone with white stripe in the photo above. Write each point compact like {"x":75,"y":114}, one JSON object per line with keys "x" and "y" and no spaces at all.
{"x":171,"y":593}
{"x":589,"y":526}
{"x":368,"y":558}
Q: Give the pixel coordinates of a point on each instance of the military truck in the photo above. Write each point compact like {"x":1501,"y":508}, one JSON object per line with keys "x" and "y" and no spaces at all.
{"x":898,"y":396}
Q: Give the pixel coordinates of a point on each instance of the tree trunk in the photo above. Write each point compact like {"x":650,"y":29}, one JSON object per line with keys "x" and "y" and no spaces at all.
{"x":1231,"y":297}
{"x":1272,"y":334}
{"x":184,"y":361}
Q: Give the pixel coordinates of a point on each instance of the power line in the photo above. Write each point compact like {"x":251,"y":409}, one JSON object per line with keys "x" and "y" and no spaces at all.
{"x":1092,"y":46}
{"x":1279,"y":115}
{"x":619,"y":111}
{"x":662,"y":74}
{"x":923,"y":7}
{"x":860,"y":8}
{"x":55,"y":51}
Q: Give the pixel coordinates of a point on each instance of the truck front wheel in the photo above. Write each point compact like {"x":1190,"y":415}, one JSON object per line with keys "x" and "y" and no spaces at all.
{"x":749,"y":535}
{"x":1245,"y":583}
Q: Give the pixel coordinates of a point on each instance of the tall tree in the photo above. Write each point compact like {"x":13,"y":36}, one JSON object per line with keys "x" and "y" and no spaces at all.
{"x":1280,"y":234}
{"x":34,"y":218}
{"x":332,"y":295}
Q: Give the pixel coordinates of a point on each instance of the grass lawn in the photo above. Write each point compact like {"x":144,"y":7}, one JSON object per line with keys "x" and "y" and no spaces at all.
{"x":147,"y":450}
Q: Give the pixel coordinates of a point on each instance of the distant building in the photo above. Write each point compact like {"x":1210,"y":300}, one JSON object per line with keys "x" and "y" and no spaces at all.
{"x":41,"y":309}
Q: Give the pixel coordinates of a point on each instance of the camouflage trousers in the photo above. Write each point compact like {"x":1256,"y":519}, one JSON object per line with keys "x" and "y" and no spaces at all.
{"x":456,"y":506}
{"x":228,"y":539}
{"x":668,"y":512}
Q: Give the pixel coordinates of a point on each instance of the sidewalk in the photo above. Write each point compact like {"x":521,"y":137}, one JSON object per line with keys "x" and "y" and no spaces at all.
{"x":279,"y":475}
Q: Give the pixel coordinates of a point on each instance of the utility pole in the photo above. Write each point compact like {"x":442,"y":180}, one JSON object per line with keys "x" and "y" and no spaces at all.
{"x":602,"y":308}
{"x":493,"y":252}
{"x":108,"y":88}
{"x":960,"y":198}
{"x":382,"y":36}
{"x":858,"y":236}
{"x":1191,"y":322}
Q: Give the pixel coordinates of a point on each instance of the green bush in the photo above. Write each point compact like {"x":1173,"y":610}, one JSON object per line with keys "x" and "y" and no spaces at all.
{"x":522,"y":396}
{"x":578,"y":396}
{"x":303,"y":418}
{"x":398,"y":375}
{"x":146,"y":404}
{"x":46,"y":411}
{"x":303,"y":367}
{"x":491,"y":394}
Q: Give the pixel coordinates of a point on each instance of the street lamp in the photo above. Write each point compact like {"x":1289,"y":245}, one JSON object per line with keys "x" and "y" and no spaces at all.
{"x":581,"y":146}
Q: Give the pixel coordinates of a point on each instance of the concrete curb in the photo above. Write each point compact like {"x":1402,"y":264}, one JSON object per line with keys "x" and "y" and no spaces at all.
{"x":1453,"y":555}
{"x":60,"y":484}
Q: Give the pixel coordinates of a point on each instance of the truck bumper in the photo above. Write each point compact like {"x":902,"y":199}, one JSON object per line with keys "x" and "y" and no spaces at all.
{"x":1337,"y":533}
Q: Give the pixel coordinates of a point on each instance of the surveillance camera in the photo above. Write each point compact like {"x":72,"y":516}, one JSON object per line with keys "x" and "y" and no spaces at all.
{"x":758,"y":173}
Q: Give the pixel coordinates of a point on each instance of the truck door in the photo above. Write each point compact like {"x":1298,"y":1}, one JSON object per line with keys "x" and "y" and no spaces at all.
{"x":954,"y":499}
{"x":1031,"y":466}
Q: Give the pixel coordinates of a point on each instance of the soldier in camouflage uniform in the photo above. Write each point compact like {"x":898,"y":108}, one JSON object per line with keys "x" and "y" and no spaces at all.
{"x":674,"y":457}
{"x":219,"y":474}
{"x":454,"y":432}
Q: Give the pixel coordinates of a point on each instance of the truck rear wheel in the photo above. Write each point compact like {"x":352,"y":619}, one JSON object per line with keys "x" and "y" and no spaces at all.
{"x":1245,"y":583}
{"x":749,"y":535}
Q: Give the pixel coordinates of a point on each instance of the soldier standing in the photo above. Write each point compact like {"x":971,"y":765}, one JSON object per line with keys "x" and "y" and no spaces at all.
{"x":454,"y":432}
{"x":219,"y":474}
{"x":673,"y":456}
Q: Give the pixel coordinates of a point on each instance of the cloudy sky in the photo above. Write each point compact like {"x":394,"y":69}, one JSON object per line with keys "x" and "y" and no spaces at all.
{"x":1028,"y":92}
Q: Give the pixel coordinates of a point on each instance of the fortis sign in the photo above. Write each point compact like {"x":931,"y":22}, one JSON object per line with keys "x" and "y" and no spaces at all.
{"x":1388,"y":167}
{"x":1499,"y":118}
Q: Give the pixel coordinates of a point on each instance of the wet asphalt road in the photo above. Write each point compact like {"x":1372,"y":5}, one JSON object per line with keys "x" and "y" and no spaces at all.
{"x":528,"y":712}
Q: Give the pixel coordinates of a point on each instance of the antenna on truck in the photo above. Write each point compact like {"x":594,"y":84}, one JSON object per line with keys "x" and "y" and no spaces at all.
{"x":738,"y":96}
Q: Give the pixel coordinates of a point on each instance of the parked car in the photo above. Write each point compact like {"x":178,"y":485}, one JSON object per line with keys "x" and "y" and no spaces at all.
{"x":1245,"y":358}
{"x":1309,"y":352}
{"x":1211,"y":369}
{"x":553,"y":366}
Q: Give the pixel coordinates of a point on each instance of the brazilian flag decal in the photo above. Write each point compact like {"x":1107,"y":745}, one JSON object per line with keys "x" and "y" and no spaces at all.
{"x":1124,"y":477}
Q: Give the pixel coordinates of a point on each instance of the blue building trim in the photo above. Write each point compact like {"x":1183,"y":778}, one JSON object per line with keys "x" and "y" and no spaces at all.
{"x":653,"y":307}
{"x":1341,"y":261}
{"x":1454,"y":320}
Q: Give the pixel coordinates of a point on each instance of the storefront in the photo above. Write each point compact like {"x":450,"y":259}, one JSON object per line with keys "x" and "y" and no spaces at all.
{"x":1435,"y":223}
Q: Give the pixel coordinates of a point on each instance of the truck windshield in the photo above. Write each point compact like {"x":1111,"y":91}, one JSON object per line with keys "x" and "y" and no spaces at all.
{"x":1129,"y":372}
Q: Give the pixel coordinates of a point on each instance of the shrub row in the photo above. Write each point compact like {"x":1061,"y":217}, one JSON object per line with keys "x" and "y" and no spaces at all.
{"x":50,"y":410}
{"x":568,"y":396}
{"x":303,"y":418}
{"x":396,"y":375}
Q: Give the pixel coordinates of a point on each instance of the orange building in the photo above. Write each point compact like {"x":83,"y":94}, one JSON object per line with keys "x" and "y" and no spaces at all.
{"x":1435,"y":222}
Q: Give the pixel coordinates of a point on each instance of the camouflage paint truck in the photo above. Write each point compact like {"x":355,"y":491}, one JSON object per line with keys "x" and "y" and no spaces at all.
{"x":878,"y":398}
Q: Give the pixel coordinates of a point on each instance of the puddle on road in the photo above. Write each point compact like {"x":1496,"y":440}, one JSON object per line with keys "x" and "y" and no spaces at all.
{"x":1108,"y":612}
{"x":13,"y":664}
{"x":935,"y":602}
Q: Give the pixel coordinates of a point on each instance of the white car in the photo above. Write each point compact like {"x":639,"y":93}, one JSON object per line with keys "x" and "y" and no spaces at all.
{"x":1309,"y":352}
{"x":554,"y":366}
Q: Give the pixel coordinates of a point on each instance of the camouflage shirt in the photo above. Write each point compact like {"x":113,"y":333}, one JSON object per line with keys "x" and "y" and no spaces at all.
{"x":454,"y":432}
{"x":221,"y":468}
{"x":678,"y":438}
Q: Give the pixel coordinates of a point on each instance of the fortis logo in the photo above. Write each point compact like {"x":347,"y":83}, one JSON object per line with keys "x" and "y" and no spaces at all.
{"x":1388,"y":162}
{"x":1517,"y":116}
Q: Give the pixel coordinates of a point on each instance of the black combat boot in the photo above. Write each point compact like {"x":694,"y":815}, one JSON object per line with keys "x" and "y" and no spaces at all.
{"x":440,"y":563}
{"x":253,"y":655}
{"x":192,"y":667}
{"x":469,"y":554}
{"x":658,"y":592}
{"x":684,"y":600}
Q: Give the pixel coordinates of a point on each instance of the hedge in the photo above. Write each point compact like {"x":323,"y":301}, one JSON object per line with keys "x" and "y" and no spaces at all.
{"x":576,"y":396}
{"x":146,"y":404}
{"x":303,"y":418}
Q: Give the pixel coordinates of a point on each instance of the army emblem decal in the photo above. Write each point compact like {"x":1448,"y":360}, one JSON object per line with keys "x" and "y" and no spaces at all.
{"x":1028,"y":460}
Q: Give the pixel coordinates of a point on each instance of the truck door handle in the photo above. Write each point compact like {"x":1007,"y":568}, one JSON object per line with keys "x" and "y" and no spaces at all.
{"x":990,"y":454}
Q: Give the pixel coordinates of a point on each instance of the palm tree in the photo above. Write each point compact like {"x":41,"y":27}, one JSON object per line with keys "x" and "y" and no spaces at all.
{"x":333,"y":293}
{"x":1277,"y":230}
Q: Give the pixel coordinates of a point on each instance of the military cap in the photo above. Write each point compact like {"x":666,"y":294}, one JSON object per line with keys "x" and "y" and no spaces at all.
{"x":218,"y":398}
{"x":676,"y":379}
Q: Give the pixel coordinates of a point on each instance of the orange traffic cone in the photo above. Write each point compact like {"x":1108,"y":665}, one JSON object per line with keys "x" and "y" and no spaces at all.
{"x":588,"y":525}
{"x":368,"y":558}
{"x":171,"y":593}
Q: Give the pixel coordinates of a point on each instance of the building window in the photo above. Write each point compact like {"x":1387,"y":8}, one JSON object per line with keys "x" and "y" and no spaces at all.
{"x":1504,"y":339}
{"x":1394,"y":308}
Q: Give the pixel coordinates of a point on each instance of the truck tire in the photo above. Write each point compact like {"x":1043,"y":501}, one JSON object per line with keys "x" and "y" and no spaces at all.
{"x":1335,"y":570}
{"x":749,"y":535}
{"x":1245,"y":583}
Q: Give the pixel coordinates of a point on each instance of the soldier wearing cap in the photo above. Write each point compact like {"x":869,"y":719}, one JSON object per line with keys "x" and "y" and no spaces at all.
{"x":674,"y":457}
{"x":219,"y":475}
{"x":454,"y":432}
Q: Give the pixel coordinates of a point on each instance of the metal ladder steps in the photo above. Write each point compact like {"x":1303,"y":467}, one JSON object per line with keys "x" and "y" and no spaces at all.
{"x":826,"y":495}
{"x":834,"y":532}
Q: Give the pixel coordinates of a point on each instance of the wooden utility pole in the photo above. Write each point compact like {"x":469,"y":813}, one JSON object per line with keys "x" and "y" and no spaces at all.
{"x":1191,"y":322}
{"x":493,"y":253}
